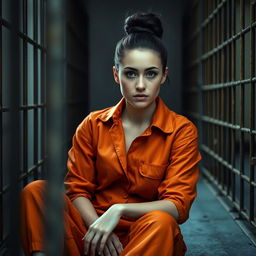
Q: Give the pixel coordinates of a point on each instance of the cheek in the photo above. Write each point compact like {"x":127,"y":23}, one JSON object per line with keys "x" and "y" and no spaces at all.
{"x":124,"y":87}
{"x":156,"y":87}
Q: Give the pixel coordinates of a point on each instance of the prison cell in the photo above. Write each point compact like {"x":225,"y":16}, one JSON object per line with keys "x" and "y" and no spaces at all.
{"x":221,"y":70}
{"x":219,"y":96}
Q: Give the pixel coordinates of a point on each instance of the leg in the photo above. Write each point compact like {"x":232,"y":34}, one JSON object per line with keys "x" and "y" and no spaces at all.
{"x":155,"y":233}
{"x":32,"y":210}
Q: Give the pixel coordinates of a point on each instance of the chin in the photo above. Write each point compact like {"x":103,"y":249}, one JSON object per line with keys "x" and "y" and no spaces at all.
{"x":142,"y":104}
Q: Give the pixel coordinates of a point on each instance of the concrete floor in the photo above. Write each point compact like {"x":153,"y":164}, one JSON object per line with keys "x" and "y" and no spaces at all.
{"x":211,"y":231}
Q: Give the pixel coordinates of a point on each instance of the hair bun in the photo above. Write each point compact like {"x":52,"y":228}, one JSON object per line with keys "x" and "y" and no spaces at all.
{"x":144,"y":23}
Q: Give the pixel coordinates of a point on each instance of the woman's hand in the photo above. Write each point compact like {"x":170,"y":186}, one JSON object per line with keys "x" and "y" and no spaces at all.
{"x":98,"y":234}
{"x":113,"y":246}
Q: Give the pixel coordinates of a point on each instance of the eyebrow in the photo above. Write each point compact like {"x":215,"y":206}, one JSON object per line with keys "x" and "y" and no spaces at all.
{"x":137,"y":69}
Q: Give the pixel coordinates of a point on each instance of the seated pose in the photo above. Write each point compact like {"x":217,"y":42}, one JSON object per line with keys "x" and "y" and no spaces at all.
{"x":132,"y":168}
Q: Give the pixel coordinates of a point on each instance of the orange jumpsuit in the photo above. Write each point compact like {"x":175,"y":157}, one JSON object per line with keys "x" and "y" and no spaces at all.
{"x":161,"y":164}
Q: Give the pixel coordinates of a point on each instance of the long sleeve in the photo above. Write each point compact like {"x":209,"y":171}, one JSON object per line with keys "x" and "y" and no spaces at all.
{"x":179,"y":184}
{"x":80,"y":179}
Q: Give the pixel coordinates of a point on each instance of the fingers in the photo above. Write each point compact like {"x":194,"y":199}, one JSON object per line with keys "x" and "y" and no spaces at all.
{"x":103,"y":242}
{"x":113,"y":245}
{"x":87,"y":241}
{"x":117,"y":244}
{"x":94,"y":239}
{"x":96,"y":243}
{"x":91,"y":241}
{"x":106,"y":251}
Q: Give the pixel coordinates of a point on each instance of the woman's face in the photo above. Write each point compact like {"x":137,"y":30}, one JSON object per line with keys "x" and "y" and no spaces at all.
{"x":140,"y":76}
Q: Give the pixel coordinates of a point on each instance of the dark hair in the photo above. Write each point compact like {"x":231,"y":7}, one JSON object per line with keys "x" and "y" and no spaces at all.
{"x":143,"y":30}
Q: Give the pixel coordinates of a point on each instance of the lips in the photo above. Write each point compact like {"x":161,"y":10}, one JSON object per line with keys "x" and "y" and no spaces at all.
{"x":140,"y":95}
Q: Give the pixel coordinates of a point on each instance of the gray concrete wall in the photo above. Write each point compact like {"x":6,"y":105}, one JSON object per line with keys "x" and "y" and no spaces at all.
{"x":106,"y":20}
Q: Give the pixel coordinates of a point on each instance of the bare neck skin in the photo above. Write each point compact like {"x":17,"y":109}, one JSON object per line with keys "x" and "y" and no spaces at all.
{"x":137,"y":117}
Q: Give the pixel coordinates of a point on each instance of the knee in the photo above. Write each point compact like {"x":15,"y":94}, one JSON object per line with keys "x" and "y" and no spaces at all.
{"x":162,"y":219}
{"x":33,"y":187}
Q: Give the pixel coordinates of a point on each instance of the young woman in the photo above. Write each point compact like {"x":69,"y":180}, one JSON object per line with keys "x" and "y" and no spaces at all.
{"x":132,"y":168}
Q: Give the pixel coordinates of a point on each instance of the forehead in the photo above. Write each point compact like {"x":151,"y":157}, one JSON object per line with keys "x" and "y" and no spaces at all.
{"x":141,"y":58}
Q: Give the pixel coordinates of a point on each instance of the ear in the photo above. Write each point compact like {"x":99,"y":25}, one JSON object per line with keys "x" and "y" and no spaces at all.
{"x":115,"y":73}
{"x":164,"y":75}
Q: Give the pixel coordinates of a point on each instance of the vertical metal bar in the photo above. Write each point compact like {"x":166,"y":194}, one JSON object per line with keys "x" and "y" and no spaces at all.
{"x":241,"y":203}
{"x":1,"y":131}
{"x":233,"y":91}
{"x":229,"y":60}
{"x":200,"y":72}
{"x":43,"y":83}
{"x":35,"y":85}
{"x":252,"y":111}
{"x":55,"y":124}
{"x":25,"y":94}
{"x":222,"y":95}
{"x":14,"y":155}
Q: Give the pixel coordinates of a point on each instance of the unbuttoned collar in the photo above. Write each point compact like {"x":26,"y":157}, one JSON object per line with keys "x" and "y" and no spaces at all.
{"x":162,"y":118}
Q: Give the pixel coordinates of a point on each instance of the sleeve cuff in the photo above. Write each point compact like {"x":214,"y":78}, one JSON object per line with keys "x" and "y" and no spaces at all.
{"x":182,"y":216}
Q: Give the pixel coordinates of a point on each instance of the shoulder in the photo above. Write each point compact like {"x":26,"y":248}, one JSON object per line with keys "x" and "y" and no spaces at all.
{"x":181,"y":124}
{"x":94,"y":116}
{"x":173,"y":122}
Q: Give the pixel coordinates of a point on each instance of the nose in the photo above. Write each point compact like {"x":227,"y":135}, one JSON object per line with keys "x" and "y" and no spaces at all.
{"x":140,"y":85}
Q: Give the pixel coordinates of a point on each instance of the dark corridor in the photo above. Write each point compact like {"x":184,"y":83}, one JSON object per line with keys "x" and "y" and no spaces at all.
{"x":56,"y":66}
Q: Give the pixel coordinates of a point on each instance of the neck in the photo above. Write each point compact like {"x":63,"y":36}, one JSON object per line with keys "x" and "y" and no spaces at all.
{"x":141,"y":117}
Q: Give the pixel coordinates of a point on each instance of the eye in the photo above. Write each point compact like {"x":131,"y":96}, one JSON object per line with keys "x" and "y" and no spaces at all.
{"x":151,"y":74}
{"x":130,"y":74}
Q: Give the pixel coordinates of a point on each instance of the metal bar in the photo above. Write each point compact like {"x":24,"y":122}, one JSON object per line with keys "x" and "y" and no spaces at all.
{"x":25,"y":94}
{"x":35,"y":85}
{"x":55,"y":120}
{"x":221,"y":161}
{"x":229,"y":84}
{"x":43,"y":83}
{"x":222,"y":45}
{"x":24,"y":36}
{"x":225,"y":124}
{"x":241,"y":107}
{"x":14,"y":154}
{"x":1,"y":130}
{"x":227,"y":91}
{"x":252,"y":115}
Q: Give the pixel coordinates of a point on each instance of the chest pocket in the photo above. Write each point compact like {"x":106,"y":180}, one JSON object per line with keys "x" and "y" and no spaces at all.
{"x":152,"y":171}
{"x":148,"y":180}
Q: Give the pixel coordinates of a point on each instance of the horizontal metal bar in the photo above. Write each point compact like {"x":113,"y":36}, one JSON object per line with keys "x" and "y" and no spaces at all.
{"x":34,"y":106}
{"x":4,"y":109}
{"x":209,"y":87}
{"x":31,"y":169}
{"x":221,"y":46}
{"x":24,"y":174}
{"x":226,"y":124}
{"x":23,"y":107}
{"x":8,"y":25}
{"x":228,"y":41}
{"x":210,"y":152}
{"x":215,"y":11}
